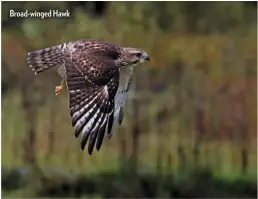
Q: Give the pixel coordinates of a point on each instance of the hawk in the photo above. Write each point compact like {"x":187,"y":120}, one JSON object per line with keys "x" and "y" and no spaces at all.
{"x":98,"y":76}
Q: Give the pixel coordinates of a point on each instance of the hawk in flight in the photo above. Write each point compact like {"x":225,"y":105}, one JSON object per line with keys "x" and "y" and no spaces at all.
{"x":98,"y":76}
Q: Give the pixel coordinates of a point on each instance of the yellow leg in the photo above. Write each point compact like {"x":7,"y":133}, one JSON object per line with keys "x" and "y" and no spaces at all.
{"x":58,"y":89}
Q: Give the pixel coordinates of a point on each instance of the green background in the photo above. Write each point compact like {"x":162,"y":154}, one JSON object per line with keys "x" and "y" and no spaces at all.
{"x":190,"y":119}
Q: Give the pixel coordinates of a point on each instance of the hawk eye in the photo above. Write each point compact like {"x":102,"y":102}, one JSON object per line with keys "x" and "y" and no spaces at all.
{"x":138,"y":54}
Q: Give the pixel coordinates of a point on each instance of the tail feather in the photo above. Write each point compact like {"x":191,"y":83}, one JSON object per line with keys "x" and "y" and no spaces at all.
{"x":46,"y":58}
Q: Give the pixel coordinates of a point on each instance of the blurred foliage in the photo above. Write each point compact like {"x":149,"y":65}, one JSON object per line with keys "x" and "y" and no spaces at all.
{"x":196,"y":99}
{"x":188,"y":184}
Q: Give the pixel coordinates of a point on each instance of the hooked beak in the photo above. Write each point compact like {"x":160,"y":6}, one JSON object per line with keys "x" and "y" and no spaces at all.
{"x":147,"y":58}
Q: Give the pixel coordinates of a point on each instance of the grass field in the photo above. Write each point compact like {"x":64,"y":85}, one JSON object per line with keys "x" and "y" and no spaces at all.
{"x":222,"y":156}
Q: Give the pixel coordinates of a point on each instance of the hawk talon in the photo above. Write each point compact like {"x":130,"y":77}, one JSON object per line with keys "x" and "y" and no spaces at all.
{"x":58,"y":89}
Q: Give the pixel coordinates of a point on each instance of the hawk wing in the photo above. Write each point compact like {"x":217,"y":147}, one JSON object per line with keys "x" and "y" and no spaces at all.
{"x":92,"y":79}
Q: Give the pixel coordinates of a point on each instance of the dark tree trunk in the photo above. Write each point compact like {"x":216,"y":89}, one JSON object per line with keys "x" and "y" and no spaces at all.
{"x":30,"y":111}
{"x":135,"y":136}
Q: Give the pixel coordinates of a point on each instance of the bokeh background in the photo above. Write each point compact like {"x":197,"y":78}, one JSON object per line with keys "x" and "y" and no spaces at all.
{"x":190,"y":120}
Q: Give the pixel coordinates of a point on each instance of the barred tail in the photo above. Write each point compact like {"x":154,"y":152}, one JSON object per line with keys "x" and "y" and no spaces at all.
{"x":46,"y":58}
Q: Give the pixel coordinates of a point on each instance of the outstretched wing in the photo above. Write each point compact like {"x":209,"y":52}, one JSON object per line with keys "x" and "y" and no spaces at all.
{"x":92,"y":78}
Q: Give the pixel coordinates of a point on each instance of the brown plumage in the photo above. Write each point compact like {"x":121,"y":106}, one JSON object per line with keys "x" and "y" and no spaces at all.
{"x":97,"y":76}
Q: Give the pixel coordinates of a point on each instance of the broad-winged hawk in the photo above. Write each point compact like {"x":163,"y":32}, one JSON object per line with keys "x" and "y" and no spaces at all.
{"x":98,"y":76}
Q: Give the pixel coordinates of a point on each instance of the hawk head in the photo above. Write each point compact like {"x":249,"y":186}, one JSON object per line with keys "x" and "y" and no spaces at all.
{"x":132,"y":57}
